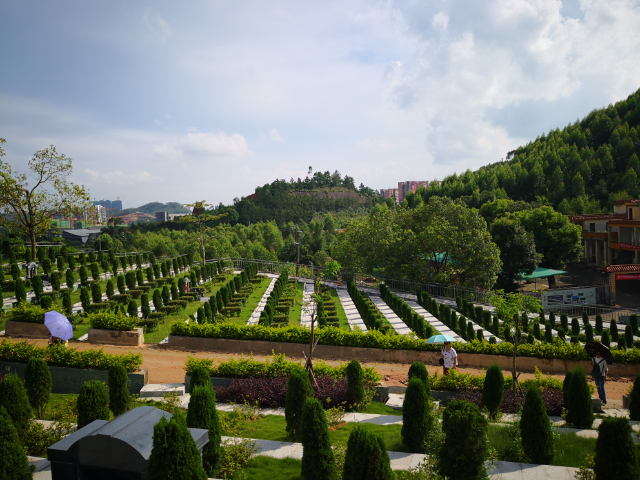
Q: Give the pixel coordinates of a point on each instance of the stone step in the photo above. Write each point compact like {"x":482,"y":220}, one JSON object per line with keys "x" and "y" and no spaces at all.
{"x":159,"y":389}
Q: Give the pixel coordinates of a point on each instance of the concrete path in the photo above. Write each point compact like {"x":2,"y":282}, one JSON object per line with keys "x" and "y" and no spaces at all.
{"x":350,"y":310}
{"x":255,"y":316}
{"x":389,"y":314}
{"x":308,"y":304}
{"x":434,"y":322}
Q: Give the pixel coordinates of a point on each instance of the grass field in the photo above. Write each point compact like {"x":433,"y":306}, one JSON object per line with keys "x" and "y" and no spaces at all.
{"x":252,"y":302}
{"x":296,"y":311}
{"x":344,"y":323}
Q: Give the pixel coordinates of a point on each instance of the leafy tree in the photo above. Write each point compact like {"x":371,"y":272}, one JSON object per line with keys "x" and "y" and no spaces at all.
{"x":174,"y":453}
{"x":14,"y":464}
{"x":37,"y":378}
{"x":509,"y":306}
{"x":93,"y":403}
{"x":517,"y":250}
{"x":29,"y":209}
{"x":556,"y":238}
{"x":535,"y":428}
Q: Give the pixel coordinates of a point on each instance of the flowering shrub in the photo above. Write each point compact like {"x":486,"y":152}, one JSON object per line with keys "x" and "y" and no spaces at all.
{"x":276,"y":366}
{"x":272,"y":392}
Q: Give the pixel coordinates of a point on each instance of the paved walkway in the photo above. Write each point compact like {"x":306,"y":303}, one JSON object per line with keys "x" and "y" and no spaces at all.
{"x":395,"y":321}
{"x":255,"y":316}
{"x":350,"y":310}
{"x":308,"y":304}
{"x":434,"y":322}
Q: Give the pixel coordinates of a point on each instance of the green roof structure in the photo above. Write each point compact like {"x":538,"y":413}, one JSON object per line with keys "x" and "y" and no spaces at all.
{"x":541,"y":273}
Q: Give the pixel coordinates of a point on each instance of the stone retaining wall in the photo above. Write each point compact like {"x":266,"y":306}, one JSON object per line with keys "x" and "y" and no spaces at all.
{"x":26,"y":329}
{"x":127,"y":338}
{"x":330,"y":352}
{"x":70,"y":380}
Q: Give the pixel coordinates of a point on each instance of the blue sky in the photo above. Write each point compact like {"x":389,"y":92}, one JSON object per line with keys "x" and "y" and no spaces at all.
{"x":183,"y":101}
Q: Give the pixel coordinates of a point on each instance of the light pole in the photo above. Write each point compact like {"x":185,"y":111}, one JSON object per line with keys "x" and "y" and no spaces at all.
{"x":299,"y":232}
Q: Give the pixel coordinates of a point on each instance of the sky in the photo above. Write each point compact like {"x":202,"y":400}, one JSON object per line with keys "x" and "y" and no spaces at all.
{"x":205,"y":100}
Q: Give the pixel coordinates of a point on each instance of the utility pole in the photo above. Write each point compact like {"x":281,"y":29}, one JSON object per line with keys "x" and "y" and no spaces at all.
{"x":299,"y":232}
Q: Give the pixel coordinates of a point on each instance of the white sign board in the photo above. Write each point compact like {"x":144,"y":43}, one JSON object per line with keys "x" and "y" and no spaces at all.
{"x":574,"y":296}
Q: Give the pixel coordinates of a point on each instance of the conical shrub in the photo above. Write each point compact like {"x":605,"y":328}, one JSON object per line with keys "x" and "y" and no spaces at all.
{"x":535,"y":428}
{"x":318,"y":462}
{"x":93,"y":403}
{"x":13,"y":397}
{"x":419,"y":371}
{"x":416,"y":416}
{"x":355,"y":385}
{"x":464,"y":450}
{"x":200,"y":376}
{"x":565,"y":386}
{"x":366,"y":457}
{"x":298,"y":391}
{"x":579,"y":405}
{"x":634,"y":408}
{"x":493,"y":390}
{"x":118,"y":381}
{"x":14,"y":464}
{"x":202,"y":413}
{"x":37,"y":379}
{"x":616,"y":452}
{"x":174,"y":454}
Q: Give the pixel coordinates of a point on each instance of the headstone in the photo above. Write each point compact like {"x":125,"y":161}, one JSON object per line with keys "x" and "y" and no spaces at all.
{"x":116,"y":450}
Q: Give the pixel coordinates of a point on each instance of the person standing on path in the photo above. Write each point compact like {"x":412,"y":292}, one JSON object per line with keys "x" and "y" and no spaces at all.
{"x":600,"y":366}
{"x":450,"y":357}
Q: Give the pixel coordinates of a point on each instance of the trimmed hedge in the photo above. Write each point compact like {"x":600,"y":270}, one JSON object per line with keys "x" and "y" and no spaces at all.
{"x":112,"y":321}
{"x":22,"y":352}
{"x":376,"y":339}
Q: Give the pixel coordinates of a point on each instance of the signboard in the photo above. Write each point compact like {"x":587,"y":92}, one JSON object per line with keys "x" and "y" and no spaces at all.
{"x":629,"y":246}
{"x":413,"y":188}
{"x":620,"y":276}
{"x":575,"y":296}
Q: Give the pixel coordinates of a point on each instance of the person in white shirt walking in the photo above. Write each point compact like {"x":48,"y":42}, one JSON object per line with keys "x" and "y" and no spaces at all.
{"x":450,"y":357}
{"x":600,"y":370}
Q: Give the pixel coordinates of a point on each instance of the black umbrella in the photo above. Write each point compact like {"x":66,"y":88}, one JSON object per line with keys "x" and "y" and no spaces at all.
{"x":596,"y":347}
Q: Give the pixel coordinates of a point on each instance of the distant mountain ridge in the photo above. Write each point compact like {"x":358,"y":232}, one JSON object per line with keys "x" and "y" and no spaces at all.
{"x":153,"y":207}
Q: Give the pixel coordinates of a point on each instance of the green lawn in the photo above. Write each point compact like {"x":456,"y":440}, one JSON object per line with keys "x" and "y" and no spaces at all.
{"x":570,"y":449}
{"x":296,"y":311}
{"x":273,"y":427}
{"x":267,"y":468}
{"x":380,"y":408}
{"x":344,"y":323}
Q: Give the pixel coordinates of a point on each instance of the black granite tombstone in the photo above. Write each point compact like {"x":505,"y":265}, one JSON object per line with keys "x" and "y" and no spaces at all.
{"x":116,"y":450}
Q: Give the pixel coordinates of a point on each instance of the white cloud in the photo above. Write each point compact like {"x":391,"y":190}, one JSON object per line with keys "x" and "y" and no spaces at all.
{"x":440,"y":21}
{"x":275,"y":136}
{"x":118,"y":177}
{"x":210,"y":144}
{"x":157,"y":26}
{"x":368,"y":143}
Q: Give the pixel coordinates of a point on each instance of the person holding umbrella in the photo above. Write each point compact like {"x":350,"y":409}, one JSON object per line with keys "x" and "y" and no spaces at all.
{"x":59,"y":327}
{"x":601,"y":358}
{"x":449,"y":358}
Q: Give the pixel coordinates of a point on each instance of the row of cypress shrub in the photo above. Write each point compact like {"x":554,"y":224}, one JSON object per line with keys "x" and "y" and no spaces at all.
{"x":267,"y":315}
{"x":414,"y":321}
{"x":369,"y":313}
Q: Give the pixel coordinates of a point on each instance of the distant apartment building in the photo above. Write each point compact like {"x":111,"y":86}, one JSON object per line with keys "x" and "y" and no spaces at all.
{"x":409,"y":186}
{"x":608,"y":238}
{"x":389,"y":193}
{"x":167,"y":217}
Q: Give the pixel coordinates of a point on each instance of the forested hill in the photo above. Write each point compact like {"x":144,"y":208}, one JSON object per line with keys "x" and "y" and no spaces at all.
{"x":300,"y":200}
{"x":579,"y":169}
{"x":153,"y":207}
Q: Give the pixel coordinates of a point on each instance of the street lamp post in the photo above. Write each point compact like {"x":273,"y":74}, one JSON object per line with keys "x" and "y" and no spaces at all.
{"x":299,"y":232}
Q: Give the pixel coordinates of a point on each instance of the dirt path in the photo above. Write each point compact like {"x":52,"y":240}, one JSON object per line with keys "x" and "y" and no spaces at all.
{"x":166,"y":365}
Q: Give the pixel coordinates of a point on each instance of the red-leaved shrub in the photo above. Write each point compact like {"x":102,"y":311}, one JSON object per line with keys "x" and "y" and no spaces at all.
{"x":552,"y":399}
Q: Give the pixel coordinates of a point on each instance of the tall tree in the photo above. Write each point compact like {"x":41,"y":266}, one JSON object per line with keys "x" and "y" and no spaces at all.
{"x":517,"y":250}
{"x":28,"y":209}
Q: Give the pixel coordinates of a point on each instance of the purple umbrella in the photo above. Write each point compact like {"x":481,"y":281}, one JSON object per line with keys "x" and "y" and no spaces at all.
{"x":58,"y":325}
